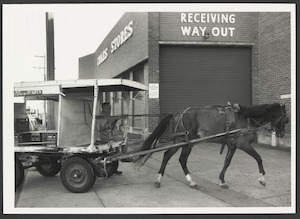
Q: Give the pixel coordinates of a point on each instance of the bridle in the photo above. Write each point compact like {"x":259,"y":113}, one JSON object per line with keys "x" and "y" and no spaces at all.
{"x":273,"y":124}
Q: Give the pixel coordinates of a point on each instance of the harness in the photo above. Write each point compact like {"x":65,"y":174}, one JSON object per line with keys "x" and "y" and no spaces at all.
{"x":229,"y":124}
{"x":180,"y":122}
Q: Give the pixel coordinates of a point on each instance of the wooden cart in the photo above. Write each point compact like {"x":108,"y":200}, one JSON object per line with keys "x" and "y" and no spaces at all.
{"x":71,"y":149}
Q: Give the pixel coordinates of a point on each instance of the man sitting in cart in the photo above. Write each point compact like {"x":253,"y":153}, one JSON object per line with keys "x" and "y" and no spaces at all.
{"x":106,"y":124}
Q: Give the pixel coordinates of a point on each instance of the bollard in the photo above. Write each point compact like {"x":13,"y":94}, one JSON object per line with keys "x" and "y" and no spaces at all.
{"x":274,"y":140}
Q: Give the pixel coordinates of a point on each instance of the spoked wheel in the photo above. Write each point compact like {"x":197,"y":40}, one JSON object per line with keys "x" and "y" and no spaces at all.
{"x":48,"y":166}
{"x":19,"y":172}
{"x":77,"y":175}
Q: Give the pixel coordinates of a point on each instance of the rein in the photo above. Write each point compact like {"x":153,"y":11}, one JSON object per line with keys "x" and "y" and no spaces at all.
{"x":261,"y":126}
{"x":257,"y":123}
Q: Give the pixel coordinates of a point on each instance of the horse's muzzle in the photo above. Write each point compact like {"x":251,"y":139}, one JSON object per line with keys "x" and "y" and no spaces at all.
{"x":280,"y":135}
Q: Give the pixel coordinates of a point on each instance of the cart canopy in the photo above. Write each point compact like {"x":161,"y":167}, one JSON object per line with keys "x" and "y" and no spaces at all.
{"x":50,"y":90}
{"x":74,"y":104}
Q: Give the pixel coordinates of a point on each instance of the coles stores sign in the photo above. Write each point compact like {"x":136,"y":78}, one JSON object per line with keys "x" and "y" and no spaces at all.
{"x":118,"y":41}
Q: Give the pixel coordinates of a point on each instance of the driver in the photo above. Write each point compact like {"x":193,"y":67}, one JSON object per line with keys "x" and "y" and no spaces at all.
{"x":105,"y":125}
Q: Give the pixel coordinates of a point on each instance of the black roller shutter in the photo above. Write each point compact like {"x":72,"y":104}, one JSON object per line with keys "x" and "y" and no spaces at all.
{"x":193,"y":76}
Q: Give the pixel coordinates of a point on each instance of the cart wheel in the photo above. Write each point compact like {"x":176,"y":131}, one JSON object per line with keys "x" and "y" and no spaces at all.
{"x":19,"y":173}
{"x":48,"y":166}
{"x":111,"y":168}
{"x":77,"y":175}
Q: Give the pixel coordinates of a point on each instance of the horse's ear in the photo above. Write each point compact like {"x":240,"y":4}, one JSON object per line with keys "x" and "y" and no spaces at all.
{"x":283,"y":106}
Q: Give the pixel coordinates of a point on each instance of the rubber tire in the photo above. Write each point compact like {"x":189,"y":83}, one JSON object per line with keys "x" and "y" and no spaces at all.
{"x":84,"y":168}
{"x":19,"y":173}
{"x":48,"y":167}
{"x":111,"y":168}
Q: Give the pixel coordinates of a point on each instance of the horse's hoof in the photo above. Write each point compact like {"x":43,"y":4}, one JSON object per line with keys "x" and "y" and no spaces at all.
{"x":194,"y":186}
{"x":262,"y":180}
{"x":262,"y":183}
{"x":224,"y":186}
{"x":157,"y":184}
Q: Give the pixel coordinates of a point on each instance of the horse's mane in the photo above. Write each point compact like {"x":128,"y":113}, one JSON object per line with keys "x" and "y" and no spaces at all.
{"x":257,"y":110}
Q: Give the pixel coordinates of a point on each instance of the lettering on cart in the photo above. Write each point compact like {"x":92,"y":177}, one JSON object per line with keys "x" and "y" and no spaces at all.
{"x":27,"y":92}
{"x":206,"y":19}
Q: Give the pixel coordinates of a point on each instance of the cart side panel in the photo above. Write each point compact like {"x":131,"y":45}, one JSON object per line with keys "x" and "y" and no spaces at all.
{"x":76,"y":120}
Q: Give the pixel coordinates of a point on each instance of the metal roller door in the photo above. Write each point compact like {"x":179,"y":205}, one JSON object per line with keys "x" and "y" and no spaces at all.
{"x":193,"y":76}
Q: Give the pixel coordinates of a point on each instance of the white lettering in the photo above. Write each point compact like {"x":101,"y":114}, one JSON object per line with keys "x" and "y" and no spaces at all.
{"x":224,"y":18}
{"x":122,"y":37}
{"x":190,"y":17}
{"x":195,"y":31}
{"x":231,"y":29}
{"x":215,"y":31}
{"x":203,"y":18}
{"x":223,"y":31}
{"x":102,"y":57}
{"x":207,"y":18}
{"x":202,"y":29}
{"x":185,"y":30}
{"x":195,"y":17}
{"x":183,"y":18}
{"x":232,"y":18}
{"x":213,"y":18}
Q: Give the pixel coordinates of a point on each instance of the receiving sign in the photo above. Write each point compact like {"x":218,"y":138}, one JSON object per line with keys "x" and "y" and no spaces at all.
{"x":153,"y":90}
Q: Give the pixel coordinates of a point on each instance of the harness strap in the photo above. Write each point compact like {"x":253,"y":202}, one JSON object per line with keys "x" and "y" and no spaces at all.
{"x":230,"y":122}
{"x":181,"y":122}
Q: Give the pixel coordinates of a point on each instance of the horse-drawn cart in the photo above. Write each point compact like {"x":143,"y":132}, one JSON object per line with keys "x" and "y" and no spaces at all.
{"x":71,"y":148}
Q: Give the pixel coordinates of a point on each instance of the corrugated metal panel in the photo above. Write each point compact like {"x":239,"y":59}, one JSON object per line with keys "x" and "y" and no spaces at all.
{"x":200,"y":76}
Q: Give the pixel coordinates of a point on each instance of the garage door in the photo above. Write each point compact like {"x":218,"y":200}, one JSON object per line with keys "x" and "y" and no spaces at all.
{"x":193,"y":76}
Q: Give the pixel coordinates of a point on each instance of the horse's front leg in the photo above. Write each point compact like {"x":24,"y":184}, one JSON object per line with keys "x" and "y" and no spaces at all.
{"x":230,"y":153}
{"x":186,"y":150}
{"x":252,"y":152}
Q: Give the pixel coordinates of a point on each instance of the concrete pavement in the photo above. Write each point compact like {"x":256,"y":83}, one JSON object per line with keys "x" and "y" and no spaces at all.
{"x":136,"y":189}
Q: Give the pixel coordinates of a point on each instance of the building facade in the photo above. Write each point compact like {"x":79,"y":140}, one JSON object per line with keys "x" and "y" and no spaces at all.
{"x":194,"y":59}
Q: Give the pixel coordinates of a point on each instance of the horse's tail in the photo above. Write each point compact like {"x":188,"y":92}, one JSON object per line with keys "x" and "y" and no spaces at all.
{"x":151,"y":141}
{"x":222,"y":147}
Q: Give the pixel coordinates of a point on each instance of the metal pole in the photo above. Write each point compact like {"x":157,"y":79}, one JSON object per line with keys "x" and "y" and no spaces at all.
{"x":92,"y":147}
{"x":167,"y":146}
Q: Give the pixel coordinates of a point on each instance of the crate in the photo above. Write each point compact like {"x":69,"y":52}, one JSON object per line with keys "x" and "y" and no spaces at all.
{"x":21,"y":125}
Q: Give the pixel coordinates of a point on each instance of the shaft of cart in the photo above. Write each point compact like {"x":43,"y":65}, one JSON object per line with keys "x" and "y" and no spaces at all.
{"x":166,"y":146}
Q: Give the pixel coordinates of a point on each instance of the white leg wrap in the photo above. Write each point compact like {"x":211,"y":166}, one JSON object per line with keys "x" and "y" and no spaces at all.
{"x":158,"y":178}
{"x":262,"y":178}
{"x":189,"y":179}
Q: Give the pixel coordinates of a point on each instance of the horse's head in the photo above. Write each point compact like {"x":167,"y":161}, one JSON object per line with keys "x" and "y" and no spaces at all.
{"x":279,"y":120}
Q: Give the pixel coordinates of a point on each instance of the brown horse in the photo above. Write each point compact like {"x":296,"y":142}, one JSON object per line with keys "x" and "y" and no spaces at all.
{"x":205,"y":121}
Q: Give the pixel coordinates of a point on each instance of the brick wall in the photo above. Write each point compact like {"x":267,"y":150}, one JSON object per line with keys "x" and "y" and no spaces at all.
{"x":274,"y":52}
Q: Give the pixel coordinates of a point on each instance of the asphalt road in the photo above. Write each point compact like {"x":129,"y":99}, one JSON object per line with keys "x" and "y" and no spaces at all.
{"x":135,"y":189}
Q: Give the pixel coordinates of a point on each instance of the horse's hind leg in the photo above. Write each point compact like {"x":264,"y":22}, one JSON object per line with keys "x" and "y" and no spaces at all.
{"x":230,"y":153}
{"x":252,"y":152}
{"x":167,"y":155}
{"x":186,"y":150}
